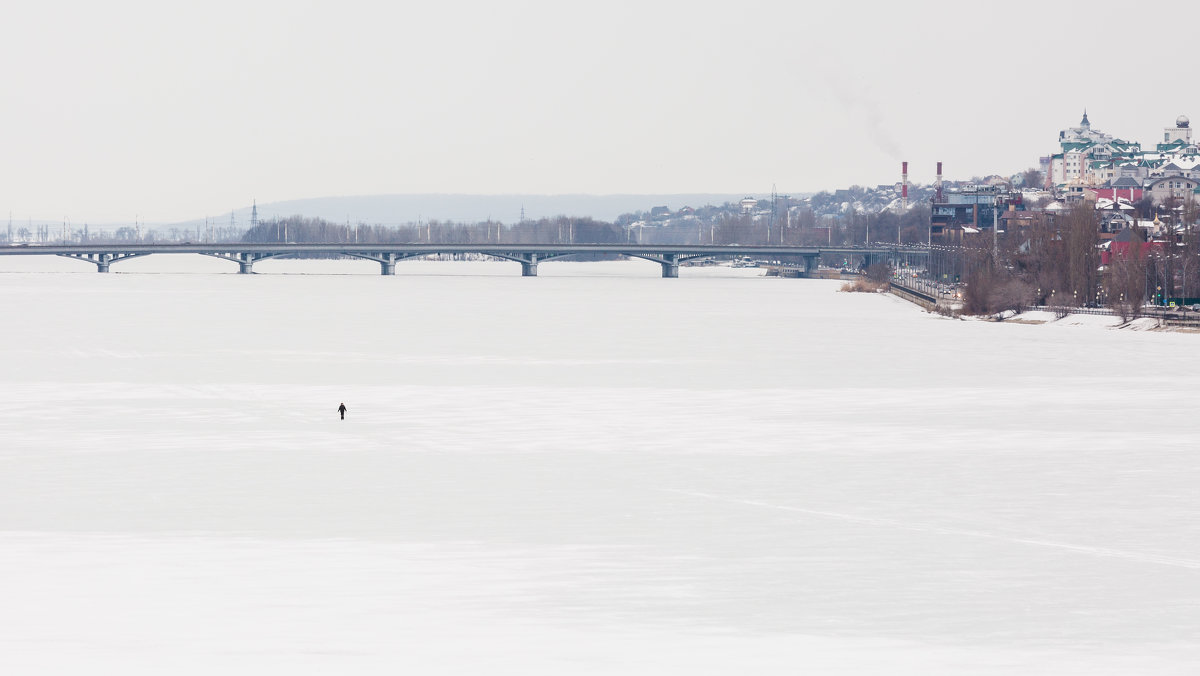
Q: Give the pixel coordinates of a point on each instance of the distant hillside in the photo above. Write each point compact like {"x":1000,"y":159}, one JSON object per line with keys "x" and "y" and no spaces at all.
{"x":401,"y":209}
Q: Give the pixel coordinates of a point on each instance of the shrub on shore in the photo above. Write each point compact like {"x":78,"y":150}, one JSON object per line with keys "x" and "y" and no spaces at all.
{"x":876,"y":278}
{"x":864,"y":285}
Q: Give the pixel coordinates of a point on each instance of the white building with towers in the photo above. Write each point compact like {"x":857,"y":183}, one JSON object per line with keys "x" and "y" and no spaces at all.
{"x":1083,"y":133}
{"x":1089,"y":158}
{"x":1181,"y":132}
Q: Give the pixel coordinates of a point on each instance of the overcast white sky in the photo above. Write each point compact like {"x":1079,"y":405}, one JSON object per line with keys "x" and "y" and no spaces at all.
{"x":169,"y":111}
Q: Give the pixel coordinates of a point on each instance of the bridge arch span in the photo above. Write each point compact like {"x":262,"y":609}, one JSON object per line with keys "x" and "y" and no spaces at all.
{"x":102,"y":261}
{"x":245,"y":261}
{"x":669,"y":262}
{"x":387,"y":260}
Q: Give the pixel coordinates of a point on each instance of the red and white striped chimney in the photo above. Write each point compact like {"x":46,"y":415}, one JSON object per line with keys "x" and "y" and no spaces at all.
{"x":904,"y":185}
{"x":938,"y":186}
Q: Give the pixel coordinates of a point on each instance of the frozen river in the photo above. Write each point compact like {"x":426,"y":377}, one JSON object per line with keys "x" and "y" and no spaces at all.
{"x":595,"y":471}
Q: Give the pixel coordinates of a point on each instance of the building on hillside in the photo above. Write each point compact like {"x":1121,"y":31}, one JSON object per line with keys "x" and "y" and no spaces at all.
{"x":1018,"y":223}
{"x":1074,"y":191}
{"x":1172,"y":189}
{"x":1180,"y":133}
{"x":1115,"y":216}
{"x":1121,"y":246}
{"x":1123,"y":188}
{"x":1083,"y":133}
{"x":1091,"y":158}
{"x":975,"y":207}
{"x":1187,"y":166}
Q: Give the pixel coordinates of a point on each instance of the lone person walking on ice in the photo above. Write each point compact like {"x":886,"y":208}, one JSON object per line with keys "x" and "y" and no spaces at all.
{"x":342,"y":410}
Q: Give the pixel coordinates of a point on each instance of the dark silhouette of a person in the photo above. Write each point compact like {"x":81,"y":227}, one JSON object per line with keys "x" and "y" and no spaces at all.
{"x":342,"y":410}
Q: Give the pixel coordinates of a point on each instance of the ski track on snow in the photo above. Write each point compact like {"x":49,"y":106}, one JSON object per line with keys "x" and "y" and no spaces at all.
{"x":928,"y":528}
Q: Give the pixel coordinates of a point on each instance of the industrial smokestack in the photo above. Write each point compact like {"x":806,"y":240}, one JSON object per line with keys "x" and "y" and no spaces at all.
{"x":904,"y":185}
{"x":939,"y":183}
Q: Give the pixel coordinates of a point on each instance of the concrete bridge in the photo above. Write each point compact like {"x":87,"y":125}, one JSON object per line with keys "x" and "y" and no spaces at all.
{"x":103,"y":256}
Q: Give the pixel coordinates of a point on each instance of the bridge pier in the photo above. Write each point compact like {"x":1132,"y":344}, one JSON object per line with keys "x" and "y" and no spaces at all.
{"x":529,"y":266}
{"x":670,"y":266}
{"x":103,"y":261}
{"x":245,"y":264}
{"x":388,"y":264}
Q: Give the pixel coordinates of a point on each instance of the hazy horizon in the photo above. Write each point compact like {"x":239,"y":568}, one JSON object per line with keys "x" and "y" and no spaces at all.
{"x":400,"y":209}
{"x":136,"y":111}
{"x":471,"y":208}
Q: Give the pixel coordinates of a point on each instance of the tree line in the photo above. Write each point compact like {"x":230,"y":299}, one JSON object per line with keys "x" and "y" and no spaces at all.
{"x":562,"y":229}
{"x":710,"y":225}
{"x":1057,"y":260}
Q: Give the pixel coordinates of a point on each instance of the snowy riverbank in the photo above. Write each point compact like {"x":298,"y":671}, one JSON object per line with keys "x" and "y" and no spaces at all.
{"x":1047,"y":318}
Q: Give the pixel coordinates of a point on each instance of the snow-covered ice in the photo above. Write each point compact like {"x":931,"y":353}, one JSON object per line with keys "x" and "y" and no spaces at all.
{"x":596,"y":471}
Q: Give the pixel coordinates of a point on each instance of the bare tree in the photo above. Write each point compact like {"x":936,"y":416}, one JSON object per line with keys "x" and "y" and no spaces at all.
{"x":1189,"y":253}
{"x":1081,"y":232}
{"x":1126,"y":279}
{"x":1033,"y":178}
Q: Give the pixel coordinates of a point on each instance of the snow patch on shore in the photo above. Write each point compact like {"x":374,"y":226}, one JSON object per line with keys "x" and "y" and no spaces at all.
{"x":1046,"y":318}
